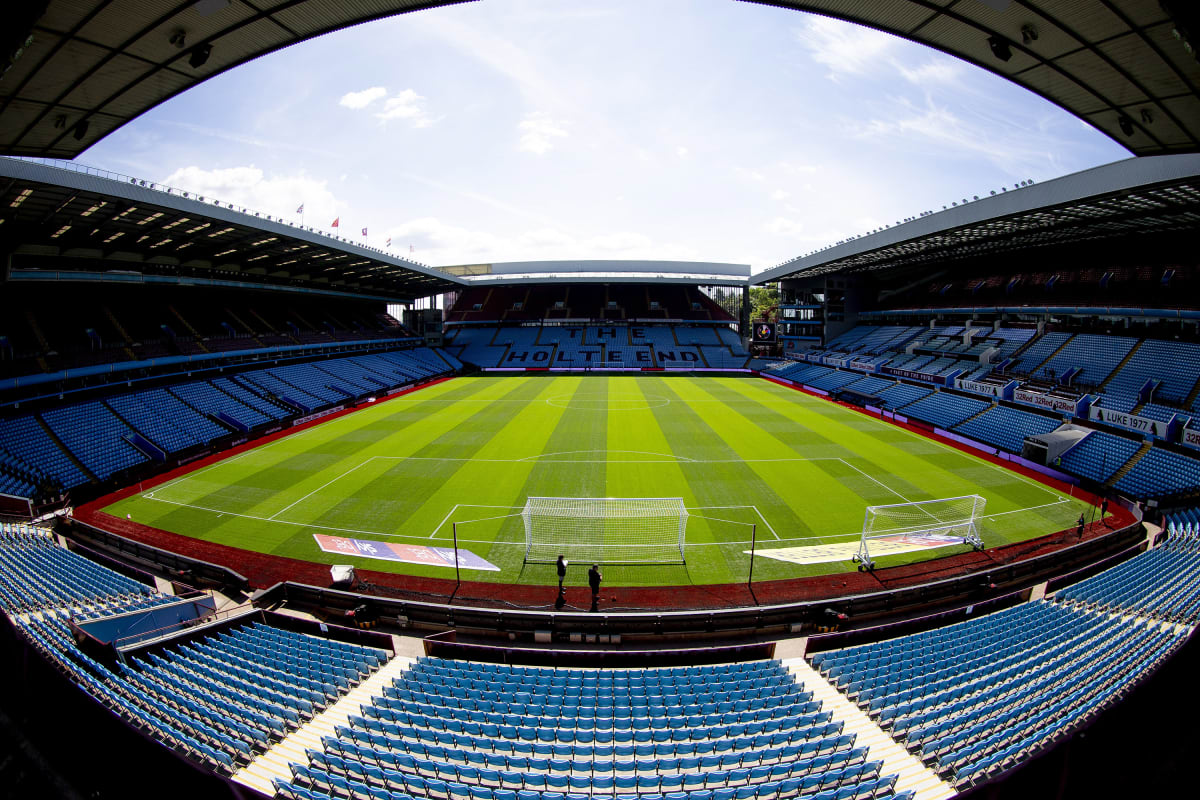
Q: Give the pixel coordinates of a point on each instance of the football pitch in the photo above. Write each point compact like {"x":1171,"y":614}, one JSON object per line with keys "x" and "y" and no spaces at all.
{"x":743,"y":454}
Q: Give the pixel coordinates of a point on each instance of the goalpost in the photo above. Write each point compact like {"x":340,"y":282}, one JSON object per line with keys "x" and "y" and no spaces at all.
{"x":605,"y":530}
{"x":952,"y":520}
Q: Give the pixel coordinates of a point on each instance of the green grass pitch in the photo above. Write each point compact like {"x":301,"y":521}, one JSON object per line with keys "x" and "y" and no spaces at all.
{"x":739,"y":451}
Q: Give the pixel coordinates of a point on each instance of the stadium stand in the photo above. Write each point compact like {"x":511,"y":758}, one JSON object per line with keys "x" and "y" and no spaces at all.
{"x":223,"y":699}
{"x":97,"y":435}
{"x":1006,"y":427}
{"x":1160,"y":472}
{"x":1098,"y":455}
{"x":458,"y":729}
{"x":1163,"y":583}
{"x":103,"y":326}
{"x":35,"y":573}
{"x":979,"y":696}
{"x":944,"y":409}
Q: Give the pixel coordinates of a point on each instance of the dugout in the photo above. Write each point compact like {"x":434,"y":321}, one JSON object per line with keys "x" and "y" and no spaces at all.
{"x":858,"y":398}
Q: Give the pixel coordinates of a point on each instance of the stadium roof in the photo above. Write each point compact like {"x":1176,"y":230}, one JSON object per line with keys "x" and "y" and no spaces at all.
{"x":72,"y":224}
{"x":81,"y":69}
{"x":1159,"y":194}
{"x":604,"y":271}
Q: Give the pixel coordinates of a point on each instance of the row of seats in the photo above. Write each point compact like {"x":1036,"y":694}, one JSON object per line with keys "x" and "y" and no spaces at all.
{"x":448,"y":729}
{"x":36,"y":573}
{"x":1163,"y":583}
{"x":99,"y":433}
{"x":977,"y":697}
{"x":1097,"y":457}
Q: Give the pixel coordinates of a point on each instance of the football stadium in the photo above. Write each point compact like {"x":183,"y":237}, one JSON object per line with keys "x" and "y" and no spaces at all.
{"x":284,"y":514}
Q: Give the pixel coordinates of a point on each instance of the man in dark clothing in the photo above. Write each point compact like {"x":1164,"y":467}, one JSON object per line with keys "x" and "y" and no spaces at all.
{"x":594,"y":578}
{"x":561,"y":566}
{"x":1104,"y":511}
{"x":1081,"y":523}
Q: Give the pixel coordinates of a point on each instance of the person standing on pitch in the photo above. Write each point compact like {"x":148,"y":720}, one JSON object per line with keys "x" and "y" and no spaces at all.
{"x":594,"y":578}
{"x":1081,"y":523}
{"x":561,"y":566}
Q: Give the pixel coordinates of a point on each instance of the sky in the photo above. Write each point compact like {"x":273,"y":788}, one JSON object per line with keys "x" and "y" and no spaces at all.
{"x":513,"y":130}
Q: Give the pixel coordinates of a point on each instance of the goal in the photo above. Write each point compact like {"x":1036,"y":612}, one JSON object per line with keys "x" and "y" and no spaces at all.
{"x":605,"y":530}
{"x":933,"y":523}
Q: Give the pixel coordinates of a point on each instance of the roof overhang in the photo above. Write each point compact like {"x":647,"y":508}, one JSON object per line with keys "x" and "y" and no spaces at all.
{"x":1137,"y":196}
{"x":71,"y":220}
{"x":83,"y":69}
{"x":692,"y":273}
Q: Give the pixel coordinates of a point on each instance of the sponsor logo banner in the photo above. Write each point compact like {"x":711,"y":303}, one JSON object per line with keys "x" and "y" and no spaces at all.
{"x":1131,"y":421}
{"x":406,"y":553}
{"x":844,"y":551}
{"x":1063,"y":404}
{"x":1191,"y":438}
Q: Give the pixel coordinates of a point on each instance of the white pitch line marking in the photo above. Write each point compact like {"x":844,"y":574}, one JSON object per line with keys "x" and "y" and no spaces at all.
{"x":449,"y":514}
{"x":319,"y":488}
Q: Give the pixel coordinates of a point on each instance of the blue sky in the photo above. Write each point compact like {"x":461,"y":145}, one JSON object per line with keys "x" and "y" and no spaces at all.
{"x":511,"y":130}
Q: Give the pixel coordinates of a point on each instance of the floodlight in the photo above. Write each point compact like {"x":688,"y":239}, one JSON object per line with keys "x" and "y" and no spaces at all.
{"x":1000,"y":47}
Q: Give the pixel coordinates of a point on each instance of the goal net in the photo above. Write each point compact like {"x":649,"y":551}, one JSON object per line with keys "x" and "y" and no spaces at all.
{"x":605,"y":530}
{"x":927,"y":523}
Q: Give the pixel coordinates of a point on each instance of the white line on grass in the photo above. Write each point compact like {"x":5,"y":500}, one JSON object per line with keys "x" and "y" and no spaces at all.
{"x":732,"y":543}
{"x":944,"y":446}
{"x":449,"y":514}
{"x":319,"y":488}
{"x":870,"y":477}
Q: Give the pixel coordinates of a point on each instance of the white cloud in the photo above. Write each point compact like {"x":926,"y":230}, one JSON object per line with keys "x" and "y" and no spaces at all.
{"x":940,"y":71}
{"x":780,"y":194}
{"x":250,"y":187}
{"x":435,"y":241}
{"x":357,"y":100}
{"x":843,"y":47}
{"x":782,"y":226}
{"x":406,"y":105}
{"x":681,"y":151}
{"x":539,"y":131}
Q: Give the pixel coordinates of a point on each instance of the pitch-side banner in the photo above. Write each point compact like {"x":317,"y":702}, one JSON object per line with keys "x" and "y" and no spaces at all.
{"x":844,"y":551}
{"x":407,"y":553}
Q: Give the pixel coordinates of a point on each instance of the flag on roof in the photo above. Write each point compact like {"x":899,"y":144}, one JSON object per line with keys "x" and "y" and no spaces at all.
{"x":335,"y":221}
{"x":364,"y":231}
{"x":300,"y":210}
{"x":389,"y":244}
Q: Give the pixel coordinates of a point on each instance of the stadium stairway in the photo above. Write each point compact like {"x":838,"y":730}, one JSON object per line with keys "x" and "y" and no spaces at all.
{"x":187,"y":326}
{"x":1130,"y":464}
{"x":1032,"y":370}
{"x":980,"y":413}
{"x":913,"y":775}
{"x":62,"y":446}
{"x":1190,"y":402}
{"x":273,"y":763}
{"x":1124,"y":361}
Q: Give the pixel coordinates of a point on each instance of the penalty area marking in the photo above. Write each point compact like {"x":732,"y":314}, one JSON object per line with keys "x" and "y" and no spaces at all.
{"x":223,"y":512}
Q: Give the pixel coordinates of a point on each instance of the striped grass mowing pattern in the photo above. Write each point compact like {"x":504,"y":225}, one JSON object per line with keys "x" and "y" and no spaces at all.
{"x":739,"y":451}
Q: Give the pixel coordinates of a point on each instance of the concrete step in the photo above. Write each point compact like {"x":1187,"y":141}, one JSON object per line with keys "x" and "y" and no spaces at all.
{"x":912,"y":774}
{"x":274,"y":762}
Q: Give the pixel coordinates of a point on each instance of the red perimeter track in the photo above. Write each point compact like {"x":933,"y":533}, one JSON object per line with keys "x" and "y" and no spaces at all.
{"x":263,"y":570}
